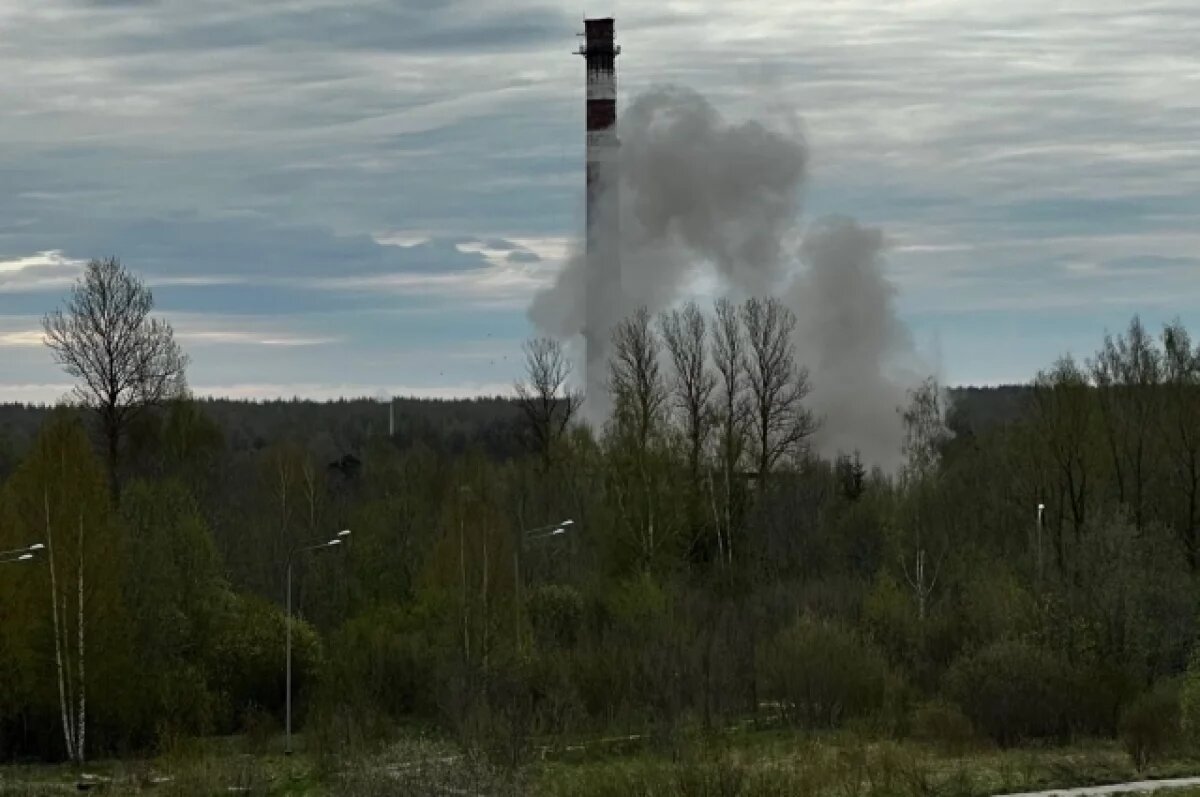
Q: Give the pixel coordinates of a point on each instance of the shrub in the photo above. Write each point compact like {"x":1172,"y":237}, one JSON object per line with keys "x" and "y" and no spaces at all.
{"x":1150,"y":723}
{"x":1099,"y":693}
{"x":244,"y":659}
{"x":1012,"y":692}
{"x":823,"y":673}
{"x":259,"y":727}
{"x":555,"y":613}
{"x":1189,"y":700}
{"x":385,"y":660}
{"x":944,"y":725}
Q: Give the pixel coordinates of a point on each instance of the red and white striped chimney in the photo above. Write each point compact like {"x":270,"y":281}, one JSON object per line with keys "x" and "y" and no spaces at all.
{"x":603,"y":250}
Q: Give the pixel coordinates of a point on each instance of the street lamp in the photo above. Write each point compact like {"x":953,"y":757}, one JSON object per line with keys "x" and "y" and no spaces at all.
{"x":552,"y":530}
{"x":540,"y":533}
{"x":1041,"y":508}
{"x":20,"y":554}
{"x":333,"y":542}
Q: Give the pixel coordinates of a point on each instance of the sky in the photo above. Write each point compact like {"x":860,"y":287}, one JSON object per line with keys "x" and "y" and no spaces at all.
{"x":361,"y":197}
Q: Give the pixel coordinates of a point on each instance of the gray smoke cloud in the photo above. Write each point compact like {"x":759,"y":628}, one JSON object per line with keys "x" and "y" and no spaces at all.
{"x":861,"y":358}
{"x":701,"y":196}
{"x":696,"y":193}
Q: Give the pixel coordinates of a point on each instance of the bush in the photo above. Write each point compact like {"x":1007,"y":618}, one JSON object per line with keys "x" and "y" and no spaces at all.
{"x":383,"y":659}
{"x":555,"y":613}
{"x":1099,"y":693}
{"x":944,"y":725}
{"x":246,"y":656}
{"x":1189,"y":700}
{"x":822,"y":673}
{"x":1013,"y":692}
{"x":1150,"y":723}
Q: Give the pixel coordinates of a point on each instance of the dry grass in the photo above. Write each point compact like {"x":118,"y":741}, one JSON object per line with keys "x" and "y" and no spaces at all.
{"x":750,"y":764}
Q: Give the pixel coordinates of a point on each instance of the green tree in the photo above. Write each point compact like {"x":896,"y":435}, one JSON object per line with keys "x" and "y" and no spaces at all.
{"x":174,"y":592}
{"x":58,"y":496}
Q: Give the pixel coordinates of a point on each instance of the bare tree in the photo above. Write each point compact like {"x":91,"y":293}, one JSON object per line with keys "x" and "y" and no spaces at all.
{"x":544,"y":397}
{"x":1127,"y":373}
{"x":639,"y":483}
{"x":685,"y":335}
{"x":1181,"y":428}
{"x":779,"y":421}
{"x":635,"y":377}
{"x":125,"y":360}
{"x":732,"y":409}
{"x":1062,"y":414}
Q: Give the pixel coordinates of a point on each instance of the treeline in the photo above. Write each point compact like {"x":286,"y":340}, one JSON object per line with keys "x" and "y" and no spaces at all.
{"x":334,"y":429}
{"x":1031,"y":579}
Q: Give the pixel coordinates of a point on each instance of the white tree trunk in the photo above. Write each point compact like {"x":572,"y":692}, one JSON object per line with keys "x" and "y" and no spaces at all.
{"x":68,"y":734}
{"x":81,"y":720}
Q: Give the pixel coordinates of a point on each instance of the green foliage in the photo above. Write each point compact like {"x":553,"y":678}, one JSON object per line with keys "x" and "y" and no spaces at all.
{"x":1013,"y":692}
{"x":1189,"y":700}
{"x":673,"y":603}
{"x":555,"y":612}
{"x":1150,"y":724}
{"x":174,"y":591}
{"x":944,"y":725}
{"x":58,"y":498}
{"x":823,"y":673}
{"x":246,"y":658}
{"x":385,"y":660}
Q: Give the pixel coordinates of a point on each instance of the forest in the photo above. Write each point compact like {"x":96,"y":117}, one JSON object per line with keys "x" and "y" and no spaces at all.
{"x":514,"y":576}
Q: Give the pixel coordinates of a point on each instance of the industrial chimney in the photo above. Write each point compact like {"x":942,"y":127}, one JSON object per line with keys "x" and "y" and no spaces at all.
{"x":603,"y":250}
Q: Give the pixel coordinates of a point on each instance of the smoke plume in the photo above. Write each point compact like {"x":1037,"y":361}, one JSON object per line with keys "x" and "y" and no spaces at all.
{"x":860,"y":356}
{"x":701,"y":197}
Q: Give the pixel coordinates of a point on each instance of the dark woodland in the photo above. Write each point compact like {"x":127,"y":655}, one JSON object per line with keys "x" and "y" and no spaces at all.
{"x":1028,"y":575}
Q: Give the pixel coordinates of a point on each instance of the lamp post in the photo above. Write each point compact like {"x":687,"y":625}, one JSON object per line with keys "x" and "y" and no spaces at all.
{"x":21,"y":554}
{"x":528,"y":535}
{"x":1041,"y":508}
{"x":337,"y":540}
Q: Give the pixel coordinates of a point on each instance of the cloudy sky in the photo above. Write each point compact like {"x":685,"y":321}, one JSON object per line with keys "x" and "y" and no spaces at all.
{"x":357,"y":196}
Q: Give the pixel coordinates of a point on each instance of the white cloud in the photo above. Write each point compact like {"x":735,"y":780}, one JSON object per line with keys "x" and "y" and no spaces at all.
{"x":326,"y":391}
{"x":24,"y":339}
{"x":41,"y":271}
{"x":197,"y":330}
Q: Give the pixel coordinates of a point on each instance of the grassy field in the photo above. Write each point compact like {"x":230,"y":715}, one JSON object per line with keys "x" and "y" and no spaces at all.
{"x":747,"y":765}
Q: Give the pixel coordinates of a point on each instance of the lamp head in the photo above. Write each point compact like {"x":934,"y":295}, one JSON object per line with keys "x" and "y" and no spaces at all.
{"x":37,"y":546}
{"x":344,"y":533}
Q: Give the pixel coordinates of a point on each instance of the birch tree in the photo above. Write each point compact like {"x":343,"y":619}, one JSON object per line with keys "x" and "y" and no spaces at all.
{"x":125,"y":360}
{"x":636,"y":442}
{"x":58,"y":496}
{"x":925,"y":433}
{"x":732,"y":417}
